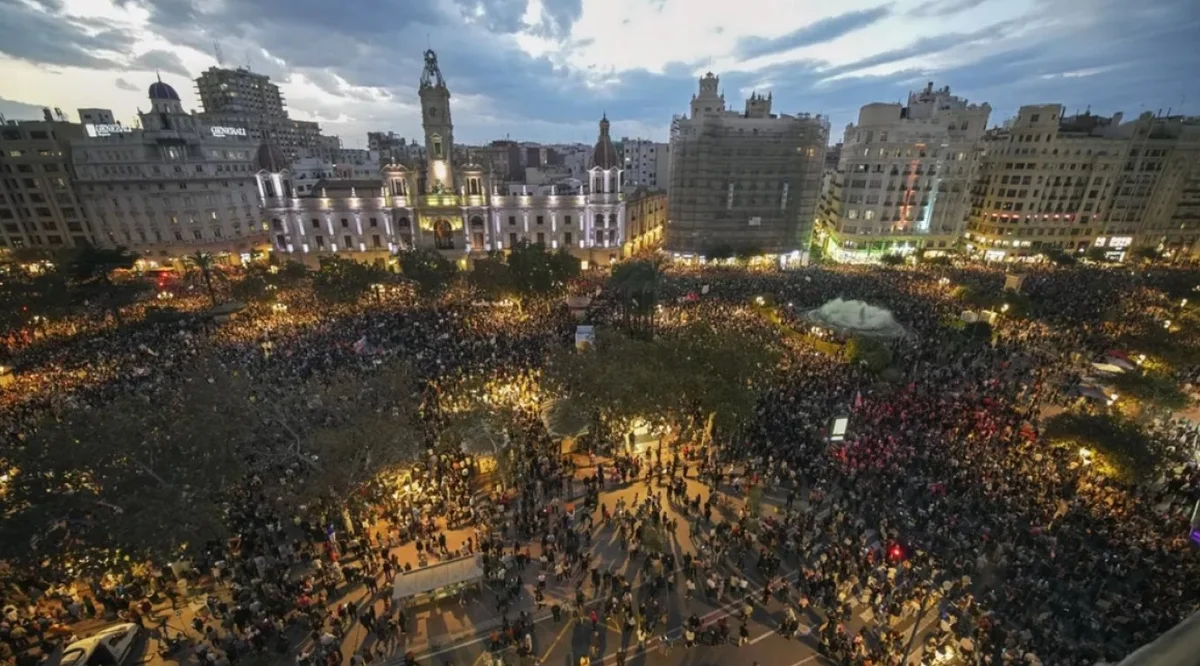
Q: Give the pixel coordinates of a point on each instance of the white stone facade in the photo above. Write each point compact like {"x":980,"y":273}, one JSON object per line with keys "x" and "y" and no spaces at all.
{"x":455,"y":208}
{"x":647,"y":163}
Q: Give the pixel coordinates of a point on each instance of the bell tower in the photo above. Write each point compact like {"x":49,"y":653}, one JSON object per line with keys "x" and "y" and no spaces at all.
{"x":439,"y":130}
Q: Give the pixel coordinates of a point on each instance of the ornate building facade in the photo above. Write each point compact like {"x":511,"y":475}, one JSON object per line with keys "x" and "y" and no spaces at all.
{"x":456,"y":208}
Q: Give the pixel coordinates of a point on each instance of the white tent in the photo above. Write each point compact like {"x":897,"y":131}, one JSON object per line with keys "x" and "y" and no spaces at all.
{"x":422,"y":580}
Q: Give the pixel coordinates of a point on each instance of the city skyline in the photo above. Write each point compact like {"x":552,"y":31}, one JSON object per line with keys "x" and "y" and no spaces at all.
{"x":544,"y":70}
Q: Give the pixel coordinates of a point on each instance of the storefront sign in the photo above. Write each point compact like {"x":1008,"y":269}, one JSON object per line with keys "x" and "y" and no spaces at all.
{"x":106,"y":130}
{"x":228,"y":131}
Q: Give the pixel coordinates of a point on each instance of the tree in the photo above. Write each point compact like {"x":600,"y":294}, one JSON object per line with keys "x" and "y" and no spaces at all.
{"x":564,"y":267}
{"x":254,"y":287}
{"x":1097,"y":254}
{"x":748,"y":252}
{"x":148,"y":478}
{"x":92,"y":270}
{"x":24,"y":296}
{"x":491,"y":277}
{"x":203,"y":263}
{"x":692,"y":372}
{"x":344,"y":280}
{"x":292,"y":272}
{"x":869,"y":352}
{"x":1147,"y":254}
{"x":891,"y":259}
{"x":431,"y":271}
{"x":636,"y":285}
{"x":1059,"y":257}
{"x":1124,"y":448}
{"x":1154,"y":388}
{"x":719,"y":252}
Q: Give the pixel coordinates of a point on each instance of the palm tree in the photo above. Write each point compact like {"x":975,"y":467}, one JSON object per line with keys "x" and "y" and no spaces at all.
{"x":636,"y":284}
{"x":204,"y":263}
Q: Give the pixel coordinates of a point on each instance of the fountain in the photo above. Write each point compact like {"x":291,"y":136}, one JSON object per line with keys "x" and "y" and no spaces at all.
{"x":856,"y":318}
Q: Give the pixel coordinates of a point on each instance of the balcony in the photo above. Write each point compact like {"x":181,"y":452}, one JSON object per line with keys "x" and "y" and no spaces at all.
{"x":439,"y":200}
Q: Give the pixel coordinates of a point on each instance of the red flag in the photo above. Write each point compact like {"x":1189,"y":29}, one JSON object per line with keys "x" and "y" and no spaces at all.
{"x":858,"y":399}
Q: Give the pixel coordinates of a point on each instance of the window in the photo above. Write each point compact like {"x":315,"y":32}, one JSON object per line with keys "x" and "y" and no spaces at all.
{"x":541,"y":219}
{"x":197,"y":234}
{"x":320,"y":241}
{"x":541,"y":238}
{"x":348,"y":242}
{"x":345,"y":223}
{"x":316,"y":224}
{"x":375,"y":242}
{"x":512,"y":240}
{"x":280,"y":241}
{"x":512,"y":220}
{"x":567,"y":238}
{"x":567,"y":220}
{"x":374,"y":222}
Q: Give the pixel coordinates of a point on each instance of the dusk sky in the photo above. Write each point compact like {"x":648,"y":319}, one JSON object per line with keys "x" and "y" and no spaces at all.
{"x":545,"y":70}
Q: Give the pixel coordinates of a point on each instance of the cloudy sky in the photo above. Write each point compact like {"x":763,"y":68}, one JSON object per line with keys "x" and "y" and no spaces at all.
{"x":546,"y":69}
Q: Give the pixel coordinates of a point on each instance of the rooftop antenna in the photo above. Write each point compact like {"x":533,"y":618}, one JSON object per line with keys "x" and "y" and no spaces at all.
{"x":247,"y":59}
{"x":218,"y":54}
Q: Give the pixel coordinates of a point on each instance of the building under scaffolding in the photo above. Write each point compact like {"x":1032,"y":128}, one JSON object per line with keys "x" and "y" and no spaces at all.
{"x":743,"y":182}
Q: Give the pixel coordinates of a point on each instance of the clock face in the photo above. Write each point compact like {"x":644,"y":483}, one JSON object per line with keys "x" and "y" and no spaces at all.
{"x":433,"y":112}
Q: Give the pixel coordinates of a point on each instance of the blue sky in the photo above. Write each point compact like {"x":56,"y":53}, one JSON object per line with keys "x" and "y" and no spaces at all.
{"x":545,"y":70}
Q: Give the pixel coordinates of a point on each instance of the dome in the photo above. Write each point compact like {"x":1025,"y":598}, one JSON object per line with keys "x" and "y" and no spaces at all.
{"x":604,"y":155}
{"x":270,"y":158}
{"x":160,"y":90}
{"x":394,"y":168}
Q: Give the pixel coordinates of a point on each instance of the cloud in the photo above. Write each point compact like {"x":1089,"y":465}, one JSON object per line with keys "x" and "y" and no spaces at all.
{"x":125,"y":85}
{"x":162,"y":61}
{"x":36,"y":33}
{"x":816,"y":33}
{"x":546,"y":69}
{"x":938,"y":8}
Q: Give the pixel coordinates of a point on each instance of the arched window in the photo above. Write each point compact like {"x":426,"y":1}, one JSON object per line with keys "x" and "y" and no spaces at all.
{"x":598,"y":184}
{"x":473,"y":186}
{"x":612,"y":220}
{"x":269,"y":187}
{"x":437,"y":147}
{"x":599,"y":220}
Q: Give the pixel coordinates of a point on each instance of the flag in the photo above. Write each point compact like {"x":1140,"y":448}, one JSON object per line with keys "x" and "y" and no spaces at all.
{"x":858,"y":400}
{"x":361,"y":346}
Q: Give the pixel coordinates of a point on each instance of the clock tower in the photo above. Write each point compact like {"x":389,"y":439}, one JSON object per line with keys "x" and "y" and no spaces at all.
{"x":439,"y":131}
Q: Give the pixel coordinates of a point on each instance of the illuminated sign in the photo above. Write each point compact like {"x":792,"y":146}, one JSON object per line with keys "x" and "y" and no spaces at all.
{"x":106,"y":130}
{"x":227,"y":131}
{"x":1118,"y":242}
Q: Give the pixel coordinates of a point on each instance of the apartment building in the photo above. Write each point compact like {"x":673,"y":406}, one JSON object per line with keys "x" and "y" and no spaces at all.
{"x":239,"y":92}
{"x":744,"y":180}
{"x":647,"y":163}
{"x":1055,"y":182}
{"x":904,"y":177}
{"x":39,"y":206}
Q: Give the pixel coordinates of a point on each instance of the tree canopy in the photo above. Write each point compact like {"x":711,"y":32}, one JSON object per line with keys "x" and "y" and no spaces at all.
{"x":1123,"y":446}
{"x":154,"y":474}
{"x":431,"y":271}
{"x":635,"y":285}
{"x":344,"y":280}
{"x":692,"y":372}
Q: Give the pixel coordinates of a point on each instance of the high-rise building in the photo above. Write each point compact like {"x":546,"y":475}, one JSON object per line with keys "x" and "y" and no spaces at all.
{"x":647,"y":163}
{"x":239,"y":92}
{"x":239,"y":98}
{"x":1070,"y":183}
{"x":96,"y":117}
{"x":904,"y":177}
{"x":171,"y":187}
{"x":39,"y":205}
{"x":743,"y":181}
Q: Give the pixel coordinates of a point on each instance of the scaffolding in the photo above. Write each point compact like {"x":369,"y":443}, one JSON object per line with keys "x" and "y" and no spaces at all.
{"x":746,"y":184}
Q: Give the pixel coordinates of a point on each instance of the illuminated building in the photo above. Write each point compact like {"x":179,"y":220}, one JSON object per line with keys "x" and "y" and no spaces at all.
{"x":39,"y":202}
{"x":454,"y":207}
{"x":743,"y":181}
{"x":170,"y":187}
{"x":1070,"y":183}
{"x":903,"y":179}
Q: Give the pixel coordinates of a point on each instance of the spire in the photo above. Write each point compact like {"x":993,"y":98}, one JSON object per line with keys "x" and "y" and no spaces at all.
{"x":431,"y":77}
{"x":158,"y":74}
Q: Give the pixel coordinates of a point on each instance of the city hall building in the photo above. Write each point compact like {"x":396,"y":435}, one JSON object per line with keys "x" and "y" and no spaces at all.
{"x":457,"y":208}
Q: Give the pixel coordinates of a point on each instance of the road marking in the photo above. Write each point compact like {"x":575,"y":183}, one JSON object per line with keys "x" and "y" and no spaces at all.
{"x":557,"y":638}
{"x":807,"y":659}
{"x":766,"y":635}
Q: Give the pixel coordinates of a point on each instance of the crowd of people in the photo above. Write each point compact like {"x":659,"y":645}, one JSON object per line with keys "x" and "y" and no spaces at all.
{"x":943,"y":499}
